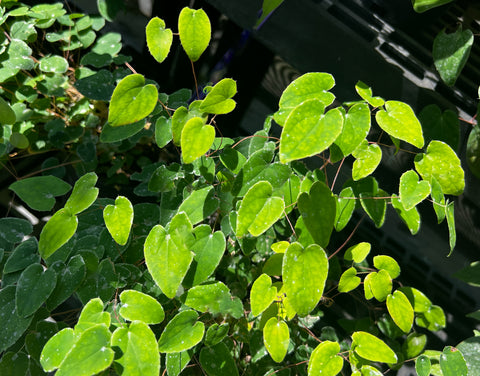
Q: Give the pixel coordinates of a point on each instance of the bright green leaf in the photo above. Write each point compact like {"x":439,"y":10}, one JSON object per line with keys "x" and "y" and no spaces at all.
{"x":400,"y":310}
{"x":142,"y":307}
{"x":92,"y":315}
{"x":159,"y":39}
{"x":262,"y":294}
{"x":216,"y":333}
{"x":200,"y":204}
{"x":197,"y":138}
{"x":424,"y":5}
{"x":132,"y":100}
{"x":367,"y":158}
{"x":83,"y":195}
{"x":163,"y":131}
{"x":414,"y":344}
{"x":181,"y":333}
{"x":423,"y":365}
{"x":325,"y":359}
{"x":348,"y":280}
{"x":56,"y":232}
{"x":387,"y":263}
{"x":410,"y":217}
{"x":195,"y":32}
{"x":433,"y":319}
{"x":372,"y":348}
{"x":366,"y":93}
{"x":412,"y":191}
{"x":378,"y":285}
{"x":176,"y":362}
{"x":399,"y":121}
{"x":304,"y":274}
{"x":56,"y":349}
{"x":345,"y":207}
{"x":276,"y":338}
{"x":357,"y":252}
{"x":452,"y":232}
{"x":218,"y":100}
{"x":118,"y":219}
{"x":452,"y":362}
{"x":418,"y":299}
{"x":53,"y":64}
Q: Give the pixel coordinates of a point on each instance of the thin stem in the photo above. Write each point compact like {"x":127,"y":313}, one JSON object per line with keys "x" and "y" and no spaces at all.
{"x":131,"y":68}
{"x":348,"y":239}
{"x":195,"y":79}
{"x":48,"y":168}
{"x":336,"y":175}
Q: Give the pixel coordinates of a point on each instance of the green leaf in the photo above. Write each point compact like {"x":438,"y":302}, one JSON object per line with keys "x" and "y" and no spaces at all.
{"x":39,"y":192}
{"x":273,"y":266}
{"x":218,"y":361}
{"x":357,"y":252}
{"x":14,"y":364}
{"x":348,"y":280}
{"x":168,"y":255}
{"x":423,"y":365}
{"x":450,"y":53}
{"x":13,"y":230}
{"x":118,"y":219}
{"x":13,"y":325}
{"x":433,"y":319}
{"x":417,"y":299}
{"x":216,"y":333}
{"x":375,"y":206}
{"x":159,"y":39}
{"x":318,"y":210}
{"x":109,"y":43}
{"x":197,"y":138}
{"x":181,"y":116}
{"x":262,"y":294}
{"x":139,"y":306}
{"x":424,"y":5}
{"x":470,"y":349}
{"x":132,"y":100}
{"x":139,"y":349}
{"x":163,"y":131}
{"x":308,"y":131}
{"x":412,"y":191}
{"x":276,"y":338}
{"x":378,"y":285}
{"x":325,"y":359}
{"x":308,"y":86}
{"x":258,"y":210}
{"x":355,"y":129}
{"x":195,"y":32}
{"x":399,"y":121}
{"x":345,"y":206}
{"x":441,"y":162}
{"x":387,"y":263}
{"x":414,"y":344}
{"x":452,"y":362}
{"x":304,"y":274}
{"x":56,"y":349}
{"x":7,"y":115}
{"x":90,"y":354}
{"x":473,"y":151}
{"x":469,"y":274}
{"x":366,"y":93}
{"x":56,"y":232}
{"x":218,"y":100}
{"x":22,"y":256}
{"x":33,"y":288}
{"x":83,"y":195}
{"x":92,"y":315}
{"x":452,"y":232}
{"x":410,"y":217}
{"x":53,"y":64}
{"x":367,"y":158}
{"x":442,"y":127}
{"x":200,"y":204}
{"x":232,"y":159}
{"x":214,"y":298}
{"x":109,"y":8}
{"x":112,"y":134}
{"x":268,"y":7}
{"x":400,"y":310}
{"x":181,"y":333}
{"x":176,"y":362}
{"x":372,"y":348}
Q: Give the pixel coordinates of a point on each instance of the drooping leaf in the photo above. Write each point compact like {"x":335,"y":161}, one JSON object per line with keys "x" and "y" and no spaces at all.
{"x":366,"y":93}
{"x":325,"y":359}
{"x":196,"y":139}
{"x":450,"y":53}
{"x":159,"y":39}
{"x":304,"y":274}
{"x":83,"y":195}
{"x":139,"y":349}
{"x":218,"y":100}
{"x":375,"y":206}
{"x":470,"y":274}
{"x":367,"y":158}
{"x":399,"y":121}
{"x":218,"y":361}
{"x":276,"y":337}
{"x":118,"y":219}
{"x":400,"y":310}
{"x":131,"y":101}
{"x":345,"y":207}
{"x":262,"y":294}
{"x":39,"y":192}
{"x":181,"y":333}
{"x":452,"y":362}
{"x":452,"y":232}
{"x":312,"y":85}
{"x":137,"y":306}
{"x":318,"y":210}
{"x":195,"y":32}
{"x":56,"y":232}
{"x":410,"y":217}
{"x":372,"y":348}
{"x":424,"y":5}
{"x":438,"y":159}
{"x":308,"y":131}
{"x":259,"y":210}
{"x":412,"y":191}
{"x":473,"y":151}
{"x":348,"y":280}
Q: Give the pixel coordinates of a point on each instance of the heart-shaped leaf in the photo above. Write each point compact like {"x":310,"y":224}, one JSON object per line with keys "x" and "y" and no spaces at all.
{"x":218,"y":361}
{"x":308,"y":131}
{"x":304,"y":274}
{"x":262,"y":294}
{"x":325,"y":359}
{"x":137,"y":306}
{"x":197,"y":138}
{"x":159,"y":39}
{"x":22,"y":256}
{"x":348,"y":280}
{"x":400,"y":310}
{"x":132,"y":100}
{"x":365,"y":92}
{"x":200,"y":204}
{"x":258,"y":210}
{"x":276,"y":338}
{"x":414,"y":345}
{"x":56,"y":232}
{"x":375,"y":206}
{"x":118,"y":219}
{"x":387,"y":263}
{"x":367,"y":158}
{"x":83,"y":195}
{"x":399,"y":121}
{"x":372,"y":348}
{"x":218,"y":100}
{"x":439,"y":158}
{"x":195,"y":31}
{"x":412,"y":191}
{"x":417,"y":299}
{"x":39,"y":192}
{"x":450,"y":53}
{"x":377,"y":285}
{"x":181,"y":333}
{"x":139,"y":349}
{"x":313,"y":85}
{"x":92,"y":315}
{"x":56,"y":349}
{"x":318,"y":209}
{"x":358,"y":252}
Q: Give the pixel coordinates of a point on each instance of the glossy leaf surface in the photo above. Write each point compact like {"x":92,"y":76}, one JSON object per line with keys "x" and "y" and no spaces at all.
{"x":218,"y":100}
{"x":137,"y":306}
{"x":367,"y":158}
{"x":412,"y":191}
{"x":400,"y":310}
{"x":348,"y":280}
{"x":324,"y":359}
{"x":276,"y":337}
{"x":181,"y":333}
{"x":195,"y":31}
{"x":262,"y":294}
{"x":452,"y":362}
{"x":118,"y":219}
{"x":159,"y":39}
{"x":197,"y":138}
{"x":83,"y":195}
{"x":56,"y":232}
{"x":372,"y":348}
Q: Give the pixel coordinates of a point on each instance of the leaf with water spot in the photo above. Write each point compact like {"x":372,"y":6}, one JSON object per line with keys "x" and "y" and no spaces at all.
{"x":452,"y":362}
{"x":137,"y":306}
{"x":276,"y":338}
{"x":423,"y":365}
{"x":92,"y":314}
{"x":412,"y":191}
{"x":159,"y":39}
{"x":262,"y":294}
{"x":325,"y":359}
{"x":181,"y":333}
{"x":200,"y":204}
{"x":195,"y":32}
{"x":196,"y":139}
{"x":56,"y":349}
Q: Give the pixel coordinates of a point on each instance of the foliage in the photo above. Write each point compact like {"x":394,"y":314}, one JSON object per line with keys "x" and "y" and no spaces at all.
{"x":222,"y":257}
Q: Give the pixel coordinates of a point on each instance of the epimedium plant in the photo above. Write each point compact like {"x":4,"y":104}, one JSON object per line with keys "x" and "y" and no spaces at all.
{"x":223,"y":259}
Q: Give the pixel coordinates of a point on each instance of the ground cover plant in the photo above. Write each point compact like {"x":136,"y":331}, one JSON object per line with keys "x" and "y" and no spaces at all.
{"x":220,"y":260}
